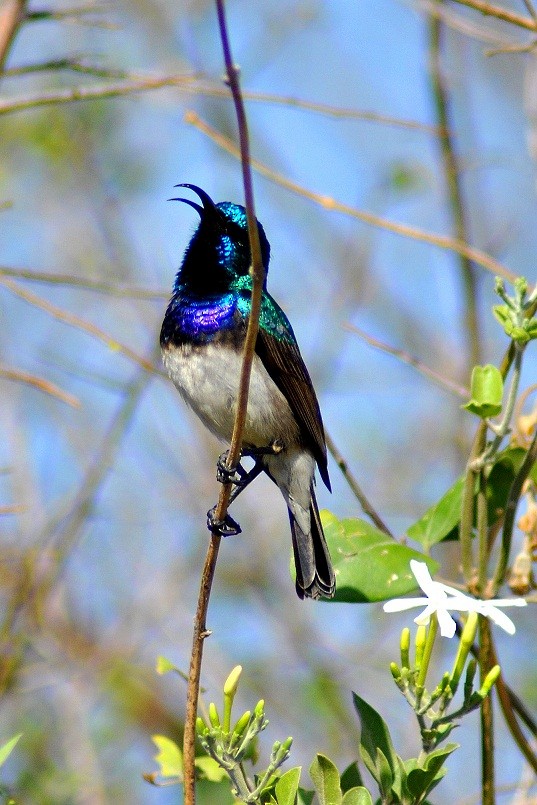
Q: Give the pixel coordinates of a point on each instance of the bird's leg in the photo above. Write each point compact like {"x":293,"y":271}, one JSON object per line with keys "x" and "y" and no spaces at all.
{"x":240,"y":478}
{"x":238,"y":475}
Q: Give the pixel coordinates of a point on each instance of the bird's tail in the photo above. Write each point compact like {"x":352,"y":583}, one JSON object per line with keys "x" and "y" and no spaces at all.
{"x":314,"y":572}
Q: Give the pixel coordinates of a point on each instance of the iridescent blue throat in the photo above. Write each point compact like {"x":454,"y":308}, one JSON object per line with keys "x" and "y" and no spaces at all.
{"x":203,"y":317}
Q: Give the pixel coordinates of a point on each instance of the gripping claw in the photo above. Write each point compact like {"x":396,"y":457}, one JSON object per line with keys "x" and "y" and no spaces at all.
{"x":227,"y":527}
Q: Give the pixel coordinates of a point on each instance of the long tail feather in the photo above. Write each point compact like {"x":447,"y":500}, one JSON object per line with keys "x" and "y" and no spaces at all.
{"x":314,"y":572}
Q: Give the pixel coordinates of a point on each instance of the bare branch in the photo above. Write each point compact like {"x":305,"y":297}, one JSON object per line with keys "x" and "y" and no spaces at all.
{"x":482,"y":258}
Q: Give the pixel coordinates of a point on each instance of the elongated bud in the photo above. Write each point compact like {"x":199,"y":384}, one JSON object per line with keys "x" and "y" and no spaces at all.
{"x":405,"y":648}
{"x":200,"y":726}
{"x":395,"y":671}
{"x":489,"y":681}
{"x":465,"y":644}
{"x":232,"y":682}
{"x":230,"y":689}
{"x":214,"y":718}
{"x":259,"y":709}
{"x":469,"y":679}
{"x":421,"y":638}
{"x":242,"y":723}
{"x":286,"y":745}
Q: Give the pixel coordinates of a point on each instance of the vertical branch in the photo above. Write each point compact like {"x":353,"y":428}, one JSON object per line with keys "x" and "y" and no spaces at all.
{"x":486,"y":652}
{"x":257,"y":273}
{"x":452,"y":174}
{"x":12,"y":15}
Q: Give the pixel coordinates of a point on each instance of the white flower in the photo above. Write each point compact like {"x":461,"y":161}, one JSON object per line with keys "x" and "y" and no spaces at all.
{"x":441,"y":598}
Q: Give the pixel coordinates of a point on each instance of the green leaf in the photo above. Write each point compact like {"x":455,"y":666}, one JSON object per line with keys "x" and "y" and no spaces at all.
{"x":421,"y":781}
{"x":369,"y":565}
{"x":486,"y":390}
{"x":164,"y":666}
{"x":210,"y":770}
{"x":287,"y":786}
{"x":351,"y":777}
{"x":375,"y":737}
{"x":357,"y":796}
{"x":7,"y":748}
{"x":169,"y":757}
{"x":440,"y":519}
{"x":325,"y":778}
{"x":305,"y":797}
{"x":384,"y":775}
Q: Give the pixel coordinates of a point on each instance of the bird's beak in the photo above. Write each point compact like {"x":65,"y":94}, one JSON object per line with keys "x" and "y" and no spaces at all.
{"x":208,"y":204}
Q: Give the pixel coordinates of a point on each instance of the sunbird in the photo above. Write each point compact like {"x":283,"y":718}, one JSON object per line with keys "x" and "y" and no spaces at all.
{"x":202,"y":340}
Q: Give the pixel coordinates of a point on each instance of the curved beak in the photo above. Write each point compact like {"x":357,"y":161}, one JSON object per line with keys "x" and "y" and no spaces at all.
{"x":208,"y":204}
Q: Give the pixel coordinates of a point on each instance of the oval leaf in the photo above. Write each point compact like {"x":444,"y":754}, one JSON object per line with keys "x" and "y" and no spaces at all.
{"x":357,"y":796}
{"x":440,"y":519}
{"x":287,"y":786}
{"x":369,"y":565}
{"x":169,"y":756}
{"x":325,"y":778}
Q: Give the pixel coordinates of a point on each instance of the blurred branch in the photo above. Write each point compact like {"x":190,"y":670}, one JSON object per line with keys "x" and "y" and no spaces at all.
{"x":500,"y":13}
{"x":436,"y":377}
{"x":12,"y":15}
{"x":63,"y":530}
{"x":84,"y":283}
{"x":328,"y":203}
{"x":80,"y":324}
{"x":355,"y":487}
{"x":39,"y":383}
{"x":136,"y":82}
{"x":452,"y":174}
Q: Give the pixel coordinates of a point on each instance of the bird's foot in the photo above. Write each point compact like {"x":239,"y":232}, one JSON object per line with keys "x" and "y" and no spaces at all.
{"x":228,"y":475}
{"x":227,"y":527}
{"x":272,"y":449}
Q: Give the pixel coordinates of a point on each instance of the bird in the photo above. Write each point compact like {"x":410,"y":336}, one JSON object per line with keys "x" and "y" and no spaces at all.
{"x":202,"y":338}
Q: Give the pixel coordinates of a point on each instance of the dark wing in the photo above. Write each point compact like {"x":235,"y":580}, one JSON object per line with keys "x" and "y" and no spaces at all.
{"x":282,"y":360}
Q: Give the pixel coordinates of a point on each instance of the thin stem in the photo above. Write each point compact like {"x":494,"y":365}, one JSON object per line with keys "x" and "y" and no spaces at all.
{"x":355,"y":487}
{"x":482,"y":532}
{"x":452,"y":173}
{"x":487,"y":725}
{"x":500,"y":13}
{"x":258,"y":275}
{"x":467,"y":514}
{"x":12,"y":15}
{"x":506,"y":703}
{"x":510,"y":513}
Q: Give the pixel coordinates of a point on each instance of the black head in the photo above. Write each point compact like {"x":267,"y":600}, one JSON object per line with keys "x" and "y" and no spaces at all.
{"x":220,"y":248}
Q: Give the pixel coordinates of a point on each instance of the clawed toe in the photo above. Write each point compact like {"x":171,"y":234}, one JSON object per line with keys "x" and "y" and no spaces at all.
{"x":227,"y":527}
{"x":228,"y":475}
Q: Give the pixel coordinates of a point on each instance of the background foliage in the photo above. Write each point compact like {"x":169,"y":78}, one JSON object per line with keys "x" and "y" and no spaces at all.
{"x":104,"y":492}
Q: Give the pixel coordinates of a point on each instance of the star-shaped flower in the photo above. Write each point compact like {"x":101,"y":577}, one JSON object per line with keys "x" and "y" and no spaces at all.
{"x":441,"y":598}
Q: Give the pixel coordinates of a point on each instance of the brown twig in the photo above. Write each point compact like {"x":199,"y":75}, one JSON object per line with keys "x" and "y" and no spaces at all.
{"x":452,"y":173}
{"x":406,"y":357}
{"x":355,"y":487}
{"x":12,"y":15}
{"x":84,"y":283}
{"x":257,"y":272}
{"x":500,"y":13}
{"x":486,"y":653}
{"x":138,"y":82}
{"x":481,"y":258}
{"x":80,"y":324}
{"x":39,"y":383}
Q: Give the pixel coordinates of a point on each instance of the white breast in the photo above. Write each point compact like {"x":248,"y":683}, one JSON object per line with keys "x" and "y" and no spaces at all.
{"x":207,"y":378}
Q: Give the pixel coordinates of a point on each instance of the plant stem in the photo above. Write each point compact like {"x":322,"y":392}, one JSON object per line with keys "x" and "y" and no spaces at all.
{"x":258,"y":275}
{"x":486,"y":650}
{"x":452,"y":172}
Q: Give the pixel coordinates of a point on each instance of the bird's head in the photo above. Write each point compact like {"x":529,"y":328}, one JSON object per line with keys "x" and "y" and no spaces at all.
{"x":219,"y":251}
